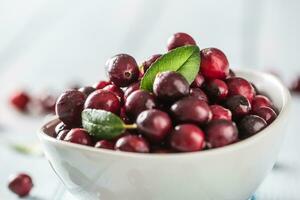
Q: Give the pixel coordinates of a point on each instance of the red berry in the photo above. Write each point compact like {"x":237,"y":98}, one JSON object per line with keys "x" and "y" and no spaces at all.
{"x":216,"y":89}
{"x":20,"y":184}
{"x":214,"y":64}
{"x":178,"y":40}
{"x":250,"y":125}
{"x":101,"y":84}
{"x":199,"y":94}
{"x":20,"y":100}
{"x":261,"y":101}
{"x":122,"y":70}
{"x":78,"y":136}
{"x":103,"y":100}
{"x":87,"y":90}
{"x":219,"y":112}
{"x":132,"y":143}
{"x":105,"y":144}
{"x":62,"y":134}
{"x":131,"y":88}
{"x":238,"y":105}
{"x":150,"y":61}
{"x":116,"y":90}
{"x":240,"y":86}
{"x":47,"y":103}
{"x":199,"y":80}
{"x":187,"y":138}
{"x":267,"y":113}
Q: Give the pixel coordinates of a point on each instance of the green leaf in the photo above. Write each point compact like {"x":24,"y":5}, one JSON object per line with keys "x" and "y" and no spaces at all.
{"x":102,"y":124}
{"x":184,"y":60}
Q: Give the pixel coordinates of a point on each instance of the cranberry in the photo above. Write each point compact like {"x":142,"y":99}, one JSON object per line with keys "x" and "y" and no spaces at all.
{"x":170,"y":86}
{"x":240,"y":86}
{"x":20,"y":100}
{"x":60,"y":127}
{"x":162,"y":150}
{"x":221,"y":132}
{"x":150,"y":61}
{"x":124,"y":116}
{"x":267,"y":113}
{"x":116,"y":90}
{"x":238,"y":105}
{"x":199,"y":80}
{"x":137,"y":102}
{"x":178,"y":40}
{"x":216,"y":89}
{"x":20,"y":184}
{"x":187,"y":138}
{"x":219,"y":112}
{"x":131,"y":88}
{"x":191,"y":110}
{"x":250,"y":125}
{"x":122,"y":70}
{"x":295,"y":87}
{"x":69,"y":107}
{"x":132,"y":143}
{"x":86,"y":90}
{"x":214,"y":64}
{"x":199,"y":94}
{"x":101,"y":84}
{"x":47,"y":103}
{"x":105,"y":144}
{"x":154,"y":125}
{"x":103,"y":100}
{"x":78,"y":136}
{"x":62,"y":134}
{"x":261,"y":101}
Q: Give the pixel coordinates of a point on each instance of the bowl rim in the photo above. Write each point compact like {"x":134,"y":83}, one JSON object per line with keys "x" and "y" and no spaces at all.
{"x":283,"y":112}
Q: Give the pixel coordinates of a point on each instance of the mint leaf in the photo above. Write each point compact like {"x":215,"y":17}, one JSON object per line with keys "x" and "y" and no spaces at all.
{"x":102,"y":124}
{"x":184,"y":60}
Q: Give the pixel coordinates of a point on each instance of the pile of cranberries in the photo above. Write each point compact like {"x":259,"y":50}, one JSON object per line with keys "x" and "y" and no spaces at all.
{"x":216,"y":110}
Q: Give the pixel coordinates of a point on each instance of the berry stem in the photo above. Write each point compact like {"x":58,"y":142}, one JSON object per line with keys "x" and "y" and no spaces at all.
{"x":130,"y":126}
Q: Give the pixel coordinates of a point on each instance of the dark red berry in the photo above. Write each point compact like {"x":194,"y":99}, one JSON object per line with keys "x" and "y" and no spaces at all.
{"x":261,"y":101}
{"x":178,"y":40}
{"x":69,"y":107}
{"x":132,"y":143}
{"x":62,"y":134}
{"x":116,"y":90}
{"x":187,"y":138}
{"x":105,"y":144}
{"x":154,"y":125}
{"x":101,"y":84}
{"x":214,"y":64}
{"x":162,"y":150}
{"x":122,"y":70}
{"x":170,"y":86}
{"x":199,"y":94}
{"x":250,"y":125}
{"x":78,"y":136}
{"x":124,"y":116}
{"x":20,"y":184}
{"x":20,"y":100}
{"x":191,"y":110}
{"x":216,"y":89}
{"x":87,"y":90}
{"x":150,"y":61}
{"x":240,"y":86}
{"x":221,"y":132}
{"x":131,"y":88}
{"x":267,"y":113}
{"x":137,"y":102}
{"x":238,"y":105}
{"x":60,"y":127}
{"x":47,"y":102}
{"x":103,"y":100}
{"x":219,"y":112}
{"x":198,"y":82}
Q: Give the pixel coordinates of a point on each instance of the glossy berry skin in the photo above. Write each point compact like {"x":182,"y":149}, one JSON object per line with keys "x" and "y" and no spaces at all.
{"x":261,"y":101}
{"x":214,"y":64}
{"x":20,"y":100}
{"x":216,"y":89}
{"x":198,"y":82}
{"x":219,"y":112}
{"x":178,"y":40}
{"x":250,"y":125}
{"x":101,"y":84}
{"x":150,"y":61}
{"x":103,"y":100}
{"x":238,"y":105}
{"x":60,"y":127}
{"x":170,"y":86}
{"x":132,"y":143}
{"x":20,"y":184}
{"x":154,"y":125}
{"x":116,"y":90}
{"x":137,"y":102}
{"x":62,"y":134}
{"x":267,"y":113}
{"x":221,"y":132}
{"x":199,"y":94}
{"x":122,"y":70}
{"x":240,"y":86}
{"x":86,"y":90}
{"x":191,"y":110}
{"x":69,"y":107}
{"x":78,"y":136}
{"x":105,"y":144}
{"x":187,"y":138}
{"x":131,"y":88}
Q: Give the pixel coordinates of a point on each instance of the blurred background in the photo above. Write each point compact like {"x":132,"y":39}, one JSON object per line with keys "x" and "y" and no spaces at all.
{"x":53,"y":44}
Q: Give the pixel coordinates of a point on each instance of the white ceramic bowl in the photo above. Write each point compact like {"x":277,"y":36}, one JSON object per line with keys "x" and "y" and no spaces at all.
{"x":230,"y":173}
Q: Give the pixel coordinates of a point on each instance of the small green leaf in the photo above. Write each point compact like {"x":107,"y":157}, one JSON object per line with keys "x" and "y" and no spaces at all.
{"x":185,"y":60}
{"x":102,"y":124}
